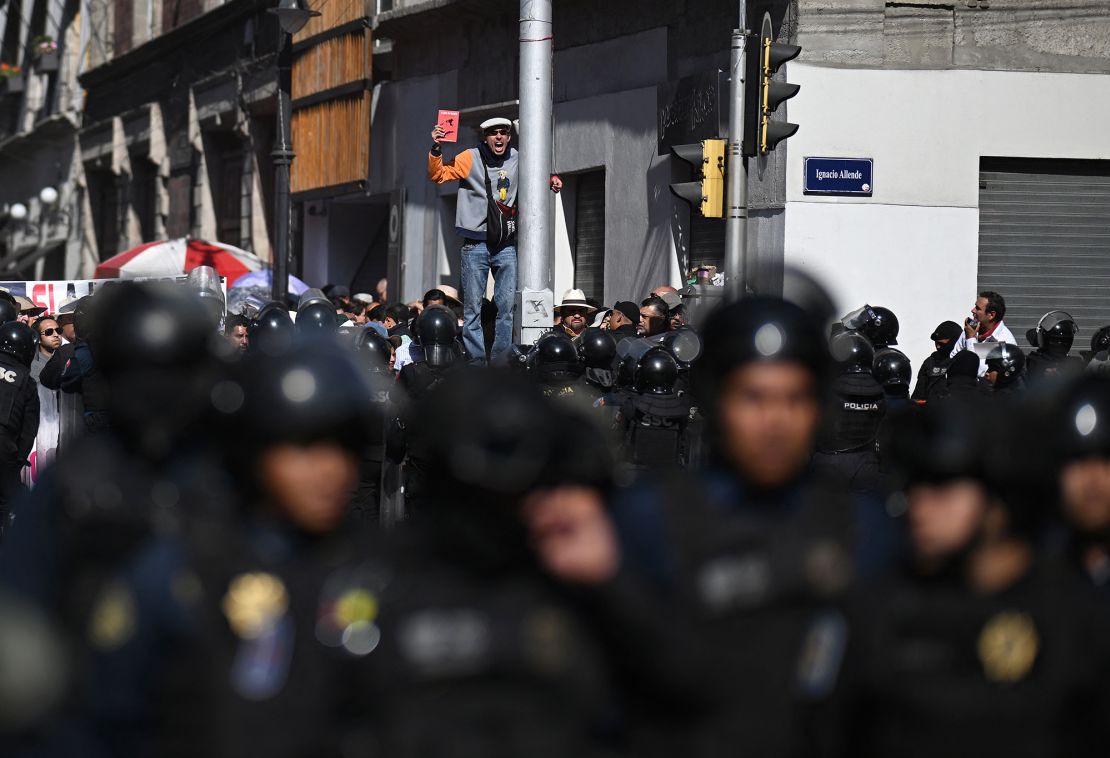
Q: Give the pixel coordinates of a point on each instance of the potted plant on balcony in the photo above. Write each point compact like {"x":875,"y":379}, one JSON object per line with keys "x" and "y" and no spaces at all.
{"x":11,"y":78}
{"x":45,"y":51}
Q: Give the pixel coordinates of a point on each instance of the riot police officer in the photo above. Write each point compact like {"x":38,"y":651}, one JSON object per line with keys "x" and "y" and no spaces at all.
{"x":74,"y":371}
{"x":893,"y":371}
{"x":437,"y":332}
{"x":495,"y":605}
{"x":555,"y":364}
{"x":878,"y":324}
{"x":654,"y":417}
{"x":316,"y":314}
{"x":229,"y":636}
{"x":1081,"y":442}
{"x":272,"y":329}
{"x":846,"y":445}
{"x":19,"y":410}
{"x":975,"y":647}
{"x":1006,"y":366}
{"x":375,"y":354}
{"x":754,"y":551}
{"x":1055,"y":334}
{"x":597,"y":351}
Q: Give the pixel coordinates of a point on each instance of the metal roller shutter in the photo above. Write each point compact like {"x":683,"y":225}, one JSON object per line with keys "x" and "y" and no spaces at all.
{"x":1044,"y":240}
{"x":589,"y":234}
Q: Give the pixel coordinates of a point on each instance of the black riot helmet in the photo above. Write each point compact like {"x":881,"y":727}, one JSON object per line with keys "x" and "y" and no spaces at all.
{"x":555,"y":357}
{"x":315,"y":314}
{"x":753,"y":330}
{"x":82,"y":317}
{"x":940,"y":443}
{"x":9,"y":311}
{"x":656,"y":373}
{"x":892,"y":369}
{"x":18,"y":340}
{"x":878,"y":324}
{"x":597,"y":348}
{"x":313,"y":391}
{"x":437,"y":332}
{"x":1056,"y":332}
{"x":1082,"y":419}
{"x":373,"y":350}
{"x":1100,"y":340}
{"x":272,"y":329}
{"x":852,"y":352}
{"x":163,"y":376}
{"x":1008,"y":360}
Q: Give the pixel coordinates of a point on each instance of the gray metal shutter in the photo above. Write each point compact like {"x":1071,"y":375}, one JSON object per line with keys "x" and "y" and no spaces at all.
{"x":589,"y":234}
{"x":1044,"y":240}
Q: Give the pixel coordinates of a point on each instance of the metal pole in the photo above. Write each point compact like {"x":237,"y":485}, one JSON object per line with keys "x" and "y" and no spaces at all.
{"x":283,"y":158}
{"x":534,"y":230}
{"x":736,"y":200}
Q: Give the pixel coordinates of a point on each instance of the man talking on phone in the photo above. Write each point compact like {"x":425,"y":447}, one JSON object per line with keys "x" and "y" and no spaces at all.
{"x":488,"y":189}
{"x":984,"y":325}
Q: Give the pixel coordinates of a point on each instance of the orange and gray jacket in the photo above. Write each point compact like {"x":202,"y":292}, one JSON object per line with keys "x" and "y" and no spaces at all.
{"x":466,"y":167}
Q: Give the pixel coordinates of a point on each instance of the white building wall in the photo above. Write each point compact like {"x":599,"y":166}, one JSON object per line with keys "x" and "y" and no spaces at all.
{"x":913,"y":245}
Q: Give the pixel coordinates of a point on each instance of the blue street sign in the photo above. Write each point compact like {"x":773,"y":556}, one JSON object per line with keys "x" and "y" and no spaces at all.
{"x":839,"y":176}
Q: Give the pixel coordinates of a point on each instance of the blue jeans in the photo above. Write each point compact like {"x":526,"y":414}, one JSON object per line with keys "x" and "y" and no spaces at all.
{"x":476,"y":265}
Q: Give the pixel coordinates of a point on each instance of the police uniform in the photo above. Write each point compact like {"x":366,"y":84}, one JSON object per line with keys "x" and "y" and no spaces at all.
{"x":654,"y":429}
{"x":846,"y":445}
{"x":939,"y":669}
{"x":1042,"y":364}
{"x":19,"y":424}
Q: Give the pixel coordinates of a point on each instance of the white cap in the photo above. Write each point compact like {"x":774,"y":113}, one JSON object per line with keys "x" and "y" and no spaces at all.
{"x":490,"y":123}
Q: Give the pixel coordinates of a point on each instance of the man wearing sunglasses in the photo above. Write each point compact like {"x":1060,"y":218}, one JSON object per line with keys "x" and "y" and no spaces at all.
{"x":49,"y":340}
{"x":487,"y":176}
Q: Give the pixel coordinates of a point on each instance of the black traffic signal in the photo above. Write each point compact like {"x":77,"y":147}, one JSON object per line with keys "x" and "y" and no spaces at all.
{"x":762,"y":95}
{"x":707,"y":192}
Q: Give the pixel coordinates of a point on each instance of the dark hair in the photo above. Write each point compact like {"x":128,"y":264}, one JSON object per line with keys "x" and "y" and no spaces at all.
{"x":233,"y":320}
{"x":659,"y":304}
{"x":995,"y":303}
{"x":355,"y":308}
{"x":434,"y":296}
{"x":399,"y":312}
{"x":377,"y":313}
{"x":39,"y":320}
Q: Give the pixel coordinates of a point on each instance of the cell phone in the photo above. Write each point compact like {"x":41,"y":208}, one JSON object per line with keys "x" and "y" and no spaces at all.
{"x":973,"y":323}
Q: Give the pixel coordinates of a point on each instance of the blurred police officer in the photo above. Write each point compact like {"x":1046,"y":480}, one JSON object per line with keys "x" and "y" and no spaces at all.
{"x":373,"y":351}
{"x":228,"y":637}
{"x":555,"y":364}
{"x":934,"y":369}
{"x":1081,"y":441}
{"x":19,"y":410}
{"x":754,"y":551}
{"x":480,"y":652}
{"x":1055,"y":335}
{"x":975,"y":647}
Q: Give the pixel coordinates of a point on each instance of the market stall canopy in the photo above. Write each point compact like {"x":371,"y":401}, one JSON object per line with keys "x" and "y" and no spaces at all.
{"x":179,"y":256}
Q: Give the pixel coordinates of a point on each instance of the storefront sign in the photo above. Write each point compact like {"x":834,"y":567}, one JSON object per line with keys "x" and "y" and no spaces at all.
{"x":693,"y":109}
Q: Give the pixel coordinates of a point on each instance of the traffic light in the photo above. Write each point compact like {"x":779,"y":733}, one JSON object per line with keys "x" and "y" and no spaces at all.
{"x":772,"y":93}
{"x":762,"y":96}
{"x":708,"y":191}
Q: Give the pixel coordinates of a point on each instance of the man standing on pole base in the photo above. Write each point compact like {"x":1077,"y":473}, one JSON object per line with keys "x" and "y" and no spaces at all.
{"x":486,"y":220}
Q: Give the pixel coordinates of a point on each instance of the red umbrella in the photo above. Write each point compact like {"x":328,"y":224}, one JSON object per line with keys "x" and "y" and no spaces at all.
{"x":177,"y":257}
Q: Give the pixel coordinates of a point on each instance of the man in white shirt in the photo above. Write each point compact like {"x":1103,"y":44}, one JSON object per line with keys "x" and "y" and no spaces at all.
{"x":984,"y":326}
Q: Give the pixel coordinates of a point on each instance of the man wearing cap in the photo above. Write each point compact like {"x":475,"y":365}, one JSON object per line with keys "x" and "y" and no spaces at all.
{"x":28,"y":311}
{"x":572,"y":313}
{"x":934,"y":369}
{"x":488,"y":174}
{"x":623,"y":320}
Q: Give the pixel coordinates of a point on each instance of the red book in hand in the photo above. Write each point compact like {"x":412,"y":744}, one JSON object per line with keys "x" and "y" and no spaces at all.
{"x":448,"y":121}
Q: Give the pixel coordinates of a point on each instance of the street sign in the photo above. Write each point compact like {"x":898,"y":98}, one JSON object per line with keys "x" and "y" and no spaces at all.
{"x":839,"y":176}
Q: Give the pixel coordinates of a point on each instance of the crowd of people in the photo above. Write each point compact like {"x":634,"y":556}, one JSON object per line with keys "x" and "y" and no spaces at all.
{"x":665,"y":528}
